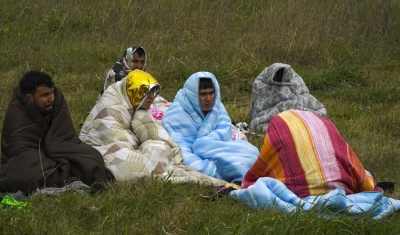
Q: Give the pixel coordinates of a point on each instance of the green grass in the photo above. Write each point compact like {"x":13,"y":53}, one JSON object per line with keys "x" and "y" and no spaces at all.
{"x":346,"y":51}
{"x":163,"y":208}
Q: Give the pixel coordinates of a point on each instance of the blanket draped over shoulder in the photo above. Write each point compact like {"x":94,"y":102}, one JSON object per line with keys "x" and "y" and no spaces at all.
{"x":133,"y":144}
{"x":35,"y":154}
{"x":206,"y":140}
{"x":122,"y":67}
{"x":276,"y":89}
{"x":307,"y":153}
{"x":270,"y":193}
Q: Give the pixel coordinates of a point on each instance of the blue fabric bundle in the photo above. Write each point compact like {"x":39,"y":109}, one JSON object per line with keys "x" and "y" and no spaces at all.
{"x":273,"y":194}
{"x":206,"y":140}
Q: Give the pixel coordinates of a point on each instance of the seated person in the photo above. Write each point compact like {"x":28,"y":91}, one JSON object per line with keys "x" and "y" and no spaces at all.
{"x":133,"y":58}
{"x":39,"y":146}
{"x":307,"y":153}
{"x":279,"y":88}
{"x":121,"y":127}
{"x":200,"y":125}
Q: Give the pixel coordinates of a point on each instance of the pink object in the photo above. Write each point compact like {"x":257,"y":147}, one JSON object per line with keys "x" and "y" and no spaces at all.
{"x":237,"y":134}
{"x":157,"y":113}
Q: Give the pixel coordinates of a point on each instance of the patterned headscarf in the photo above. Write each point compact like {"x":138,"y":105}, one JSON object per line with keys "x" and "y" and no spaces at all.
{"x":138,"y":84}
{"x":127,"y":59}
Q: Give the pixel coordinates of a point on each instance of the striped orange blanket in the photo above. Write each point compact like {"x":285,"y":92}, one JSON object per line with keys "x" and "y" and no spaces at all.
{"x":307,"y":153}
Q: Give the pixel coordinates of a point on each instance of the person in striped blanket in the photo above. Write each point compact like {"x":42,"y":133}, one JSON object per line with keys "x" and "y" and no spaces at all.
{"x":200,"y":125}
{"x":309,"y":156}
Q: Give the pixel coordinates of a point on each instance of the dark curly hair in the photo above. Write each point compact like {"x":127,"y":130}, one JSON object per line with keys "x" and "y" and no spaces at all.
{"x":33,"y":79}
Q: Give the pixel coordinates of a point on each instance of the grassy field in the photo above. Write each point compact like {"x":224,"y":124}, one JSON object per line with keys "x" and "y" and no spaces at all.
{"x":347,"y":52}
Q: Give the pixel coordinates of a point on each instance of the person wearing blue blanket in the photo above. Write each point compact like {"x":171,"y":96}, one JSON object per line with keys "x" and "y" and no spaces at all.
{"x":199,"y":123}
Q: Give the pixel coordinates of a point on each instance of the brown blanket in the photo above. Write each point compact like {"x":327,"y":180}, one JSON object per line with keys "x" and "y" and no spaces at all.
{"x":34,"y":154}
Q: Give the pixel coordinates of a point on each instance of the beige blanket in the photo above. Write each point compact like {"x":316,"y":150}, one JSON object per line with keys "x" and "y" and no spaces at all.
{"x":135,"y":146}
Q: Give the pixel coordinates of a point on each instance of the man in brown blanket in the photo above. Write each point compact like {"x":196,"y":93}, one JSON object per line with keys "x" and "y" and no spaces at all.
{"x":39,"y":145}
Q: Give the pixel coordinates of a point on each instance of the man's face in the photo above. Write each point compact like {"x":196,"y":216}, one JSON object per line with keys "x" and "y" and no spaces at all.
{"x":43,"y":99}
{"x":206,"y":99}
{"x":149,"y":100}
{"x":138,"y":61}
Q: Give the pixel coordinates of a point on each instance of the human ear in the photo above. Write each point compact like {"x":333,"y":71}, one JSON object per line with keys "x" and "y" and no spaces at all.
{"x":30,"y":97}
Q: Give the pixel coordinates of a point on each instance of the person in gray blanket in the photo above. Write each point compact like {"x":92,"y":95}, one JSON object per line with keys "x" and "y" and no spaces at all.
{"x":279,"y":88}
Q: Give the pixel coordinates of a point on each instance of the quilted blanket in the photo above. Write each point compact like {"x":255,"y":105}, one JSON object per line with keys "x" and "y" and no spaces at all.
{"x":133,"y":144}
{"x":206,"y":140}
{"x":270,"y":193}
{"x":276,"y":89}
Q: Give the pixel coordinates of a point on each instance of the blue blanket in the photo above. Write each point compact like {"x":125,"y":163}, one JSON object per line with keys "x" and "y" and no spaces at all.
{"x":271,"y":193}
{"x":206,"y":140}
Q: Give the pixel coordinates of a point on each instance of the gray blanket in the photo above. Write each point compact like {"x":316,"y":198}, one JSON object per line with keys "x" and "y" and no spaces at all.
{"x":276,"y":89}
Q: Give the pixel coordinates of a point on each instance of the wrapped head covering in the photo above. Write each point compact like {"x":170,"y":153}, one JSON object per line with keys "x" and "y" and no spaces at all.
{"x":138,"y":84}
{"x":127,"y":58}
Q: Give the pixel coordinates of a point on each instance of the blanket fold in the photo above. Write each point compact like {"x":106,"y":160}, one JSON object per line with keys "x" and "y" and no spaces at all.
{"x":269,"y":193}
{"x":35,"y":154}
{"x":206,"y":140}
{"x":276,"y":89}
{"x":133,"y":144}
{"x":307,"y":153}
